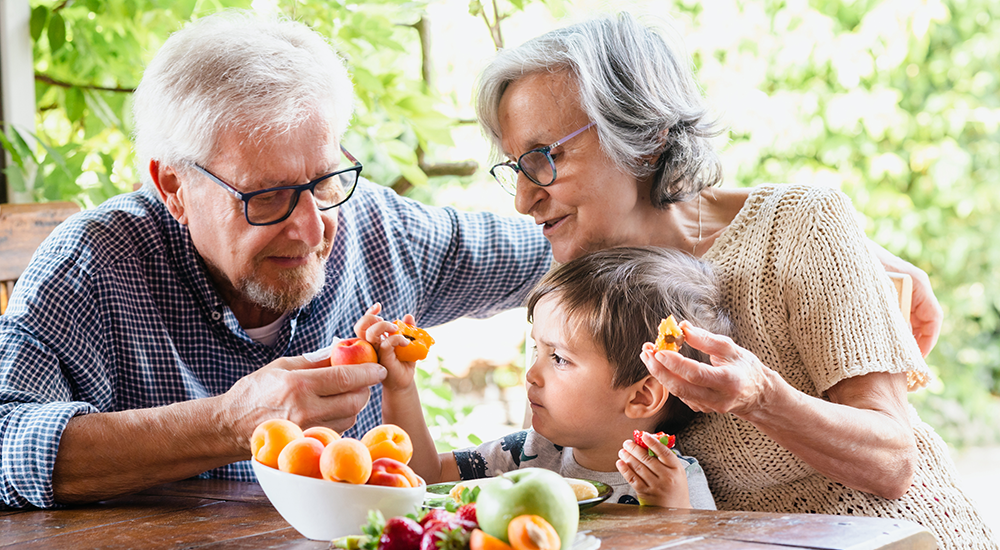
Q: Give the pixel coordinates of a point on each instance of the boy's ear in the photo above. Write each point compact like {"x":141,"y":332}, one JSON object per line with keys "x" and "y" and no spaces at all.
{"x":646,"y":398}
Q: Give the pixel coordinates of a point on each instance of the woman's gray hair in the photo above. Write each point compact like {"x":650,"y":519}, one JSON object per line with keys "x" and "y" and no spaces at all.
{"x":235,"y":72}
{"x":640,"y":93}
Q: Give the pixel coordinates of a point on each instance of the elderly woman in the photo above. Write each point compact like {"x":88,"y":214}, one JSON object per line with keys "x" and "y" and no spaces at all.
{"x":608,"y":145}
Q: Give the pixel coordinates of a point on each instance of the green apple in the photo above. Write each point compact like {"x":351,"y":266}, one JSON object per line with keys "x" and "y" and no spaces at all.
{"x":528,"y":491}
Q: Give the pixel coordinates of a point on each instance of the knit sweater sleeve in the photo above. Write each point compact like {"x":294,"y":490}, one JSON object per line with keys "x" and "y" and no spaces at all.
{"x":842,"y":309}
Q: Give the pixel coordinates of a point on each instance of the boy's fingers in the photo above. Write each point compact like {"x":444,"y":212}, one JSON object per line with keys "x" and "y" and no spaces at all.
{"x":663,"y":453}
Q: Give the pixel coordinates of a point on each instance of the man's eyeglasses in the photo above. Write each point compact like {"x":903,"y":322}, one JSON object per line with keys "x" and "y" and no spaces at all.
{"x":275,"y":204}
{"x":537,"y":164}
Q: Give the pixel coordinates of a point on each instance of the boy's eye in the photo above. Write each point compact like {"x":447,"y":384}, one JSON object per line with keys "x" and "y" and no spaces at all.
{"x":557,"y":359}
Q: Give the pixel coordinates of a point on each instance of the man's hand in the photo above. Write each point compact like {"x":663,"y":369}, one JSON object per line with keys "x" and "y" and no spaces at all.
{"x":309,"y":393}
{"x":926,"y":315}
{"x":103,"y":455}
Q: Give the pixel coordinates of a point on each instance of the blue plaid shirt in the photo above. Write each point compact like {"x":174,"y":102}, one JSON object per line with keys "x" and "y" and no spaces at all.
{"x":116,"y":312}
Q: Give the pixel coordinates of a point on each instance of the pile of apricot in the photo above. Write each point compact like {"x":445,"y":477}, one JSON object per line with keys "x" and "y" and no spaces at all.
{"x":378,"y":458}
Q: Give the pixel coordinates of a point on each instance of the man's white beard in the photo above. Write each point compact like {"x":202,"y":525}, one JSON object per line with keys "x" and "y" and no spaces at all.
{"x":296,"y":288}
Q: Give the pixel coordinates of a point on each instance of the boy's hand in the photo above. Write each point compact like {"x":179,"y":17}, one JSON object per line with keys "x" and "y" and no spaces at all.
{"x":379,"y":333}
{"x":658,"y":480}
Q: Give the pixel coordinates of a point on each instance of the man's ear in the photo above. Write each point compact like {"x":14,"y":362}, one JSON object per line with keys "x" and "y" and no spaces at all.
{"x":647,"y":398}
{"x":168,"y":185}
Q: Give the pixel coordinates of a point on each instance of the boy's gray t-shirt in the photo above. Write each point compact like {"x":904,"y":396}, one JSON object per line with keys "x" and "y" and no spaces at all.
{"x":528,"y":449}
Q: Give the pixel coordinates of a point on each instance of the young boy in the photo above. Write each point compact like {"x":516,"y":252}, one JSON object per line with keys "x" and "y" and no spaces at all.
{"x":588,"y":388}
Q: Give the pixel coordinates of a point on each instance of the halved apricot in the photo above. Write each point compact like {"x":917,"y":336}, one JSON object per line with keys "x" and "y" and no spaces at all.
{"x":531,"y":532}
{"x":389,"y":441}
{"x":346,"y":460}
{"x":270,"y":437}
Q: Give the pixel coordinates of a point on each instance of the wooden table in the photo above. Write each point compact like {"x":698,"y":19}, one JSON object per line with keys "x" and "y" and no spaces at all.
{"x":226,"y":514}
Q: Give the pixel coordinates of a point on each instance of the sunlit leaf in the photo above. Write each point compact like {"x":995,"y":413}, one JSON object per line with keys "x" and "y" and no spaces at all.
{"x":39,"y":15}
{"x":57,"y":32}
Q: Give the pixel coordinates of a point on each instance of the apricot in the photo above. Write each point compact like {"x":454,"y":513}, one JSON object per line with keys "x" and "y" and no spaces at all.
{"x":531,"y":532}
{"x":270,"y":437}
{"x":346,"y":460}
{"x":389,"y":441}
{"x":481,"y":540}
{"x":321,"y":433}
{"x":301,"y":456}
{"x":392,"y":473}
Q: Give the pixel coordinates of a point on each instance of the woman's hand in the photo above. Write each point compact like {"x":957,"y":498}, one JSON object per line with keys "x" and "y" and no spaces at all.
{"x":860,"y":437}
{"x":926,"y":314}
{"x":380,"y":334}
{"x":658,"y":480}
{"x":736,"y":382}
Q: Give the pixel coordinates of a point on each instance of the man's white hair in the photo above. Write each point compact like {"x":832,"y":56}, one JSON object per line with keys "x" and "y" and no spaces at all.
{"x":235,"y":72}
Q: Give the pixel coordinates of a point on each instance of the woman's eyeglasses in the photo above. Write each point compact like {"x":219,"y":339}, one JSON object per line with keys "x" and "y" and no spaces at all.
{"x":537,"y":164}
{"x":275,"y":204}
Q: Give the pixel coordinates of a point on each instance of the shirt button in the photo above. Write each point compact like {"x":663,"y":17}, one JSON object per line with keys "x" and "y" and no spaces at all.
{"x":216,"y":316}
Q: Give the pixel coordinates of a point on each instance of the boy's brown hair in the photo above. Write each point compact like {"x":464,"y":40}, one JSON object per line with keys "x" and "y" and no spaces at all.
{"x":618,"y":296}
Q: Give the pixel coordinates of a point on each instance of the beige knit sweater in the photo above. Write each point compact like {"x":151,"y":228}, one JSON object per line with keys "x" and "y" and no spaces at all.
{"x":809,"y":298}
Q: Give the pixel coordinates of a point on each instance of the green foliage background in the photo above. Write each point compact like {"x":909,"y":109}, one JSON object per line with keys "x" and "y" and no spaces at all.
{"x":894,"y":101}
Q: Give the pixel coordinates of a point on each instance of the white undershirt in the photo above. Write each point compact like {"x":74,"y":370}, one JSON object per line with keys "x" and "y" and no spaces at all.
{"x":267,"y":334}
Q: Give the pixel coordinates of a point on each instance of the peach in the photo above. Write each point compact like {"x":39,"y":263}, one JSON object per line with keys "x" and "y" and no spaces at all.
{"x":301,"y":456}
{"x":270,"y":437}
{"x":353,"y":351}
{"x":392,"y":473}
{"x":389,"y":441}
{"x":321,"y":433}
{"x":346,"y":460}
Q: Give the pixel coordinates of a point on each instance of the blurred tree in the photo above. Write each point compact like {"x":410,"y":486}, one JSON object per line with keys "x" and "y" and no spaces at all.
{"x":89,"y":56}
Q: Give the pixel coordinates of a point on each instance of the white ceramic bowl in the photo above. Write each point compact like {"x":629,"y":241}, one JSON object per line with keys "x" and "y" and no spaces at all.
{"x":324,"y":510}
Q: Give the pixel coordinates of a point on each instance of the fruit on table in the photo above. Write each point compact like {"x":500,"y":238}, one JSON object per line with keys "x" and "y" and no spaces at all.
{"x":531,"y":532}
{"x":322,"y":433}
{"x":420,"y":342}
{"x":668,"y":440}
{"x":669,"y":336}
{"x":392,"y":473}
{"x":389,"y":441}
{"x":528,"y":491}
{"x":270,"y":437}
{"x":301,"y":456}
{"x":346,"y":460}
{"x":353,"y":351}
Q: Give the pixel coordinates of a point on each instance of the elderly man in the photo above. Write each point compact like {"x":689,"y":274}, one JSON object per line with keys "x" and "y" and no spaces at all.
{"x":150,"y":335}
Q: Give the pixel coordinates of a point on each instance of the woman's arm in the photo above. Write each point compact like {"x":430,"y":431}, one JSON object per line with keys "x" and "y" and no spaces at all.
{"x":862,"y":438}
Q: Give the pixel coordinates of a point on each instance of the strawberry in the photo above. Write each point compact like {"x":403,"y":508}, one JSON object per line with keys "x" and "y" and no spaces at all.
{"x":435,"y":515}
{"x":400,"y":533}
{"x":446,"y":535}
{"x":467,"y":515}
{"x":667,"y":440}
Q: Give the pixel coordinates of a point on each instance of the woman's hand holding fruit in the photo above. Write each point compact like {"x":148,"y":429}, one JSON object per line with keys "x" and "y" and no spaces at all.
{"x":654,"y":471}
